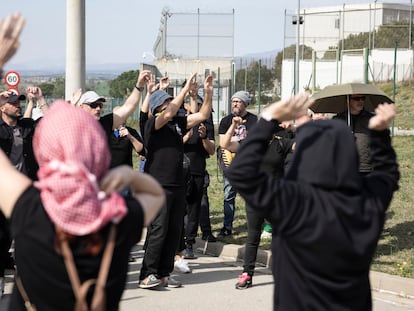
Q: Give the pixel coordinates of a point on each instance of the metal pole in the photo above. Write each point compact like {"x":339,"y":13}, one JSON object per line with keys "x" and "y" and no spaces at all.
{"x":297,"y":48}
{"x":218,"y":94}
{"x":373,"y":34}
{"x":313,"y":71}
{"x":245,"y":77}
{"x":259,"y":83}
{"x":394,"y":83}
{"x":198,"y":33}
{"x":366,"y":64}
{"x":370,"y":28}
{"x":75,"y":46}
{"x":410,"y":26}
{"x":233,"y":77}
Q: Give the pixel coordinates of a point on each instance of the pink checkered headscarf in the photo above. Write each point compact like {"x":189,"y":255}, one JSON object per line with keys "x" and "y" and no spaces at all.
{"x":73,"y":155}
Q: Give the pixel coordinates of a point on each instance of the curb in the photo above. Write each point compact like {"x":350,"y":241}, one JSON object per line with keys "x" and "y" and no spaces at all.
{"x":381,"y":282}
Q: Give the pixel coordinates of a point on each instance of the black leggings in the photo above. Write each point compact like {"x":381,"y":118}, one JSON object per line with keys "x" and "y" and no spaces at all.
{"x":254,"y":230}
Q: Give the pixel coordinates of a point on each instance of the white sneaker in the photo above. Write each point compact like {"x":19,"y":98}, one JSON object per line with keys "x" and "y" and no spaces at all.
{"x":266,"y":235}
{"x":180,"y":265}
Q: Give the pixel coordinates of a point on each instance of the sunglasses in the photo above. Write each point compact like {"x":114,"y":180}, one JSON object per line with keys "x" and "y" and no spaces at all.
{"x":95,"y":105}
{"x":358,"y":98}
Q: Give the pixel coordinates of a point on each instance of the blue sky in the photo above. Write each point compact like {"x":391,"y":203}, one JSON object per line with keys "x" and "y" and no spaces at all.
{"x":120,"y":31}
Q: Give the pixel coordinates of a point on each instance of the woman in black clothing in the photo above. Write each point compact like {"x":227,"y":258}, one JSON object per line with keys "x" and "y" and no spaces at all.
{"x":326,"y":218}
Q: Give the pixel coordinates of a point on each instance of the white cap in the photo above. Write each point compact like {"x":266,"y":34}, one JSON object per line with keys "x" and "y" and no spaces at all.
{"x":90,"y":97}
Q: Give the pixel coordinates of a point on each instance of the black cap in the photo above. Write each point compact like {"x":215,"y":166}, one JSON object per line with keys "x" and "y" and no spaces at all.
{"x":14,"y":98}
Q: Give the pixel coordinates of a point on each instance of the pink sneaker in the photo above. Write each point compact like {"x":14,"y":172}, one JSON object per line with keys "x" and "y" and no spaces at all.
{"x":245,"y":281}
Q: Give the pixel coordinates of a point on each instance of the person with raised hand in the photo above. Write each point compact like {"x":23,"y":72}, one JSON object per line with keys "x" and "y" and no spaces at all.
{"x":10,"y":30}
{"x":326,"y":217}
{"x":75,"y":202}
{"x":163,"y":138}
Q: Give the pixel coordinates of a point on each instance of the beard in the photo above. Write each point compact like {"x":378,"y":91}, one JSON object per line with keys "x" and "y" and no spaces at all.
{"x":236,"y":113}
{"x":15,"y":115}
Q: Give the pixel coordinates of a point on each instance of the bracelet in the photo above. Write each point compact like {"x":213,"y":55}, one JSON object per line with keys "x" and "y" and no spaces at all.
{"x":140,"y":88}
{"x":203,"y":137}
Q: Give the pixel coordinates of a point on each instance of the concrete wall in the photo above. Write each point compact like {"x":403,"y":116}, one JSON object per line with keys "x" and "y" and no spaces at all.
{"x":351,"y":69}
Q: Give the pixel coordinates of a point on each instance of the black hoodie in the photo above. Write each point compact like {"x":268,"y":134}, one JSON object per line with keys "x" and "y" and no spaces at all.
{"x":327,"y":219}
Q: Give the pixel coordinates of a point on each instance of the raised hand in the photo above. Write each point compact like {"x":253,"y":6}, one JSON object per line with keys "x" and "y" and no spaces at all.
{"x":208,"y":84}
{"x":384,"y":114}
{"x":10,"y":30}
{"x":164,"y":83}
{"x":290,"y":108}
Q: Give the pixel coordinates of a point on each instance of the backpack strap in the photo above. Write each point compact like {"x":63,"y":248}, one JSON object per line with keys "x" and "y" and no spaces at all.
{"x":28,"y":305}
{"x":80,"y":291}
{"x":99,"y":297}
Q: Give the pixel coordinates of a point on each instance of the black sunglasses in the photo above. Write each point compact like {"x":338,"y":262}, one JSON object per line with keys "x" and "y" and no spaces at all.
{"x":95,"y":105}
{"x":358,"y":98}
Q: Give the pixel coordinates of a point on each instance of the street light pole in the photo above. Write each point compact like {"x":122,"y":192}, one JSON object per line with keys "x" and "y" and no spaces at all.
{"x":297,"y":49}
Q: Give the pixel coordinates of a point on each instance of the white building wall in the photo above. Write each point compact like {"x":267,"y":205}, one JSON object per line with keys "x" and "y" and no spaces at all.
{"x":381,"y":63}
{"x":324,"y":27}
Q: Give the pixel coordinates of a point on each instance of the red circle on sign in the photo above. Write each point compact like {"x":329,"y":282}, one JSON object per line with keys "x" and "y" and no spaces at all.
{"x":12,"y":78}
{"x":14,"y":90}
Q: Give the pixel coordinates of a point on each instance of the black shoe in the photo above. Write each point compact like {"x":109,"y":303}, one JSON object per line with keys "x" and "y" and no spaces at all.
{"x":224,"y":232}
{"x":189,"y":253}
{"x":209,"y":238}
{"x":10,"y":264}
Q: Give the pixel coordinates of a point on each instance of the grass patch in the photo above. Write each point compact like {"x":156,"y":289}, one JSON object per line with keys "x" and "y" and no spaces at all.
{"x":395,"y":252}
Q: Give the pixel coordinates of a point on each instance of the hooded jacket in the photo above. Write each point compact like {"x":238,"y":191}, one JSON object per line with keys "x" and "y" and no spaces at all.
{"x":326,"y":218}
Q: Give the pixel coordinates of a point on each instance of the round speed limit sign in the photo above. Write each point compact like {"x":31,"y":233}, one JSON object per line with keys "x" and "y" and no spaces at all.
{"x":12,"y":78}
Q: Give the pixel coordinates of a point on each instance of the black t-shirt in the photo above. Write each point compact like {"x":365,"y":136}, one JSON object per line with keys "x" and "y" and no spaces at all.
{"x":165,"y":151}
{"x":243,"y":129}
{"x":107,"y":122}
{"x":274,"y":160}
{"x":121,"y":148}
{"x":195,"y":150}
{"x":43,"y":271}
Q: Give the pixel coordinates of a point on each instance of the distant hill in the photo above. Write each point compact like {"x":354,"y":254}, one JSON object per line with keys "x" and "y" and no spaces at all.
{"x":111,"y":70}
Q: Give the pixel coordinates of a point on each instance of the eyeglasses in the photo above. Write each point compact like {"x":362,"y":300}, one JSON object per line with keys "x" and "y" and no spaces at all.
{"x":358,"y":98}
{"x":95,"y":105}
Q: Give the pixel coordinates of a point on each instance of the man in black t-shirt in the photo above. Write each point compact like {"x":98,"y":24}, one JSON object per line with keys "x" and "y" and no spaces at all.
{"x":122,"y":141}
{"x":163,"y":138}
{"x":93,"y":103}
{"x":199,"y":146}
{"x":233,"y":130}
{"x":16,"y":135}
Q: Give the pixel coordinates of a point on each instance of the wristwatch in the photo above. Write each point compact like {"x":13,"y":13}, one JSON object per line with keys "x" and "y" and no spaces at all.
{"x":141,"y":88}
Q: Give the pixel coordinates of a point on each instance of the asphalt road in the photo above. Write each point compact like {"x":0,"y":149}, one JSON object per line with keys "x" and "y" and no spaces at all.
{"x":211,"y":287}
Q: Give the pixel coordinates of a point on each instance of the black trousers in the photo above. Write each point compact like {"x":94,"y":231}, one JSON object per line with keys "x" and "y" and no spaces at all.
{"x":193,"y":209}
{"x":254,"y":230}
{"x":163,"y":235}
{"x":5,"y":243}
{"x":205,"y":224}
